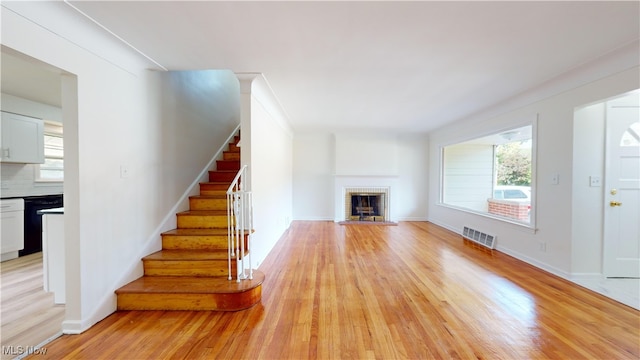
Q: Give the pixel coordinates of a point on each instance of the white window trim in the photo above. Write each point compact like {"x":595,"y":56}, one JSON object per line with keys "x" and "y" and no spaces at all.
{"x":533,"y":121}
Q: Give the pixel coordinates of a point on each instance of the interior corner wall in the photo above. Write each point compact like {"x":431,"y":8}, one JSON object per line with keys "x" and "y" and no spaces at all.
{"x":554,"y":207}
{"x":125,"y":116}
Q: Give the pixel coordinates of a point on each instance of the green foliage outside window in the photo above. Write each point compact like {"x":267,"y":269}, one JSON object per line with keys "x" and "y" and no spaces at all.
{"x":514,"y":163}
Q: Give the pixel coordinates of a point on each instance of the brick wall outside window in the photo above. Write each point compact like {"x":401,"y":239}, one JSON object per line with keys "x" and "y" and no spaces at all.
{"x":509,"y":208}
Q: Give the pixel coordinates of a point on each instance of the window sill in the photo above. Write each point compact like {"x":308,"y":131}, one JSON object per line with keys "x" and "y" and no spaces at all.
{"x":43,"y":182}
{"x":531,"y":228}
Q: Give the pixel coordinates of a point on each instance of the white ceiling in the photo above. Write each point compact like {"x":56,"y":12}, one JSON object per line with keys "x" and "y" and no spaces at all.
{"x":383,"y":65}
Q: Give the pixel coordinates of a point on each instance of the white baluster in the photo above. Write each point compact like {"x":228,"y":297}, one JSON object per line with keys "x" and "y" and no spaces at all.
{"x":237,"y":212}
{"x":250,"y":215}
{"x":240,"y":223}
{"x":229,"y":235}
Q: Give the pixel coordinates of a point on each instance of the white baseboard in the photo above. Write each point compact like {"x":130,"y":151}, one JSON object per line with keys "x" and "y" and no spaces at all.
{"x":314,"y":218}
{"x":446,"y":226}
{"x":586,"y":276}
{"x":72,"y":327}
{"x":411,"y":218}
{"x":539,"y":264}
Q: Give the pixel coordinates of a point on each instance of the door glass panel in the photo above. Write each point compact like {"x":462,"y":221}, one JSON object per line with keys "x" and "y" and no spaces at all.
{"x":631,"y":137}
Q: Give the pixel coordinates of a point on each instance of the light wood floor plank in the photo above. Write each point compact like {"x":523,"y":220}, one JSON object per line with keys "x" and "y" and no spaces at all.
{"x":412,"y":291}
{"x":28,"y":313}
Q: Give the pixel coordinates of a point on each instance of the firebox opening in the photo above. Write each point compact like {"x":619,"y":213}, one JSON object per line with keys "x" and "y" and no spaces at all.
{"x":367,"y":207}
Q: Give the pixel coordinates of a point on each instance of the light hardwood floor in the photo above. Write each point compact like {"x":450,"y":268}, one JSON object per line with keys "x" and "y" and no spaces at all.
{"x":412,"y":291}
{"x":28,"y":315}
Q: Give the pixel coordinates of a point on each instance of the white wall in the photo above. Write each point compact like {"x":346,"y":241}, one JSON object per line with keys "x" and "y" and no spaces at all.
{"x":313,"y":173}
{"x":321,"y":155}
{"x":549,"y":246}
{"x":123,"y":115}
{"x":366,"y":153}
{"x":266,"y":147}
{"x":588,"y":215}
{"x":413,"y":164}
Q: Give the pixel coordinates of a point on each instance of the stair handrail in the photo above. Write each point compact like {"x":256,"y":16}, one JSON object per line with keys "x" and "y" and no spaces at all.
{"x":239,"y":225}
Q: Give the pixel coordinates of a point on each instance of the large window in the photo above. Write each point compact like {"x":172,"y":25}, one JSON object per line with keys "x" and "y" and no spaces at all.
{"x":491,"y":175}
{"x":53,"y":167}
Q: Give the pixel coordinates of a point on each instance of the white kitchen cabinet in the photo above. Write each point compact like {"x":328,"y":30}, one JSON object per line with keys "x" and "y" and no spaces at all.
{"x":12,"y":226}
{"x":22,"y":139}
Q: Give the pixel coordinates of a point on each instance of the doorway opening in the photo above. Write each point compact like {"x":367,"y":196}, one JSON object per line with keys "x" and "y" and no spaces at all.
{"x":606,"y":242}
{"x":39,"y":90}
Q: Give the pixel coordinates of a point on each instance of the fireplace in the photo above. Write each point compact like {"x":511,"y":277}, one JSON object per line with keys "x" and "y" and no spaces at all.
{"x":367,"y":207}
{"x":347,"y":185}
{"x":366,"y":204}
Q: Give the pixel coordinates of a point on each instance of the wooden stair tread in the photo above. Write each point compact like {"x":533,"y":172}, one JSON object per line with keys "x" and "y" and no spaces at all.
{"x":222,"y":184}
{"x":196,"y":232}
{"x":183,"y":255}
{"x":214,"y":191}
{"x":212,"y":196}
{"x":199,"y":232}
{"x":225,"y":171}
{"x":204,"y":213}
{"x":194,"y":285}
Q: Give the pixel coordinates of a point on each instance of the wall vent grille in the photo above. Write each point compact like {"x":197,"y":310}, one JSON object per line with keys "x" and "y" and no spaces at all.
{"x":479,"y":237}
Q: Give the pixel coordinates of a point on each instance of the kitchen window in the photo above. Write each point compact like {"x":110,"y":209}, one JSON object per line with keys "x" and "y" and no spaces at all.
{"x":53,"y":167}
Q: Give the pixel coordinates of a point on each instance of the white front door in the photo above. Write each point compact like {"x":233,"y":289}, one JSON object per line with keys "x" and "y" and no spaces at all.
{"x":622,"y":189}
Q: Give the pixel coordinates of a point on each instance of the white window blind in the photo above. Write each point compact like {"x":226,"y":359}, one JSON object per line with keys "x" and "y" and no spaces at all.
{"x":53,"y":167}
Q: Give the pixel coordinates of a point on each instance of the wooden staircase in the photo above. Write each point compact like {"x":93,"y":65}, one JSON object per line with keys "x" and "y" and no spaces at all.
{"x":191,"y":272}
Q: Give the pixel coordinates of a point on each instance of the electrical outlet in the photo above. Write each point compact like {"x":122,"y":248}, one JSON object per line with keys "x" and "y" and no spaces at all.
{"x":543,"y":247}
{"x":595,"y":181}
{"x":555,"y":179}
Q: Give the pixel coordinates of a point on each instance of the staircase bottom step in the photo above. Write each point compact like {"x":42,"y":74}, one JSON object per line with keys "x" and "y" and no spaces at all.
{"x":184,"y":293}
